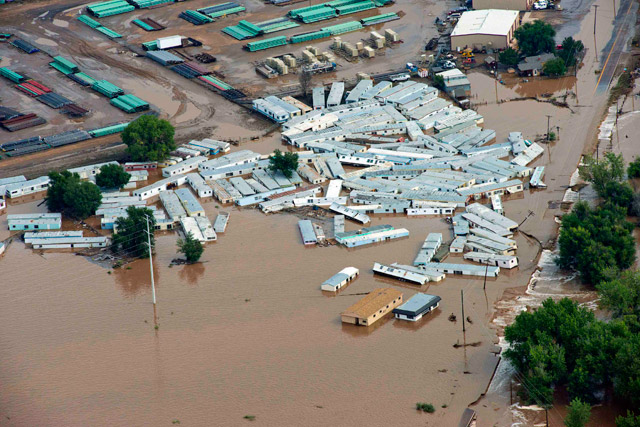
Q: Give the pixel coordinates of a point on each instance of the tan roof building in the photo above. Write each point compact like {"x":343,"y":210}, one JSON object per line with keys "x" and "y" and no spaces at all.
{"x":372,"y":307}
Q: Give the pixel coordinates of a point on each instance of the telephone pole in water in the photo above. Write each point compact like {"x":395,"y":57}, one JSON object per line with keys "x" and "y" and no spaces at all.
{"x":153,"y":286}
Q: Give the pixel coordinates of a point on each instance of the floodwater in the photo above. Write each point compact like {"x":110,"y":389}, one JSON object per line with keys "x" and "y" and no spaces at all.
{"x":246,"y":332}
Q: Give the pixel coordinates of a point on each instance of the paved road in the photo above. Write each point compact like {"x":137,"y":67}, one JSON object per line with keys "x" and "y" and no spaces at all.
{"x":622,"y":30}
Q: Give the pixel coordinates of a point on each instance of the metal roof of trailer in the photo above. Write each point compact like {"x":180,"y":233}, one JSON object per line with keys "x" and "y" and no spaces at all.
{"x":418,"y":304}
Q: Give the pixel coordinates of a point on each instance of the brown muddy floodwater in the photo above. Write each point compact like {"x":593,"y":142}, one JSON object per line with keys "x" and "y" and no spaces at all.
{"x":245,"y":332}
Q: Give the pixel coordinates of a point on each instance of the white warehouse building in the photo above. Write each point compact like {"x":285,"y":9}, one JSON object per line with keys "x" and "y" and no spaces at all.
{"x":488,"y":28}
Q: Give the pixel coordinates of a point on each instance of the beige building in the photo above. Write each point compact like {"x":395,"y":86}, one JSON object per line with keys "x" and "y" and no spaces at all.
{"x":489,"y":28}
{"x":503,"y":4}
{"x":372,"y":307}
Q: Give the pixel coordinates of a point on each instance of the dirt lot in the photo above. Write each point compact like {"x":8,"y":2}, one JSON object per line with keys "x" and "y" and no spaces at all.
{"x":196,"y":112}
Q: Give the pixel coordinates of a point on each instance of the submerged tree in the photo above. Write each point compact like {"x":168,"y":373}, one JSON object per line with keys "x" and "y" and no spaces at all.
{"x":131,"y":232}
{"x":592,"y":241}
{"x":190,"y":247}
{"x":554,"y":67}
{"x":602,"y":171}
{"x":578,"y":415}
{"x":570,"y":50}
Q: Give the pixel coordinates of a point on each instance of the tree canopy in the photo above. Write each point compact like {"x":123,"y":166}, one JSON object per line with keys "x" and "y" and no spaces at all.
{"x":191,"y":248}
{"x":630,"y":420}
{"x":578,"y":415}
{"x":600,"y":172}
{"x":633,"y":171}
{"x":112,"y":176}
{"x":554,"y":67}
{"x":286,"y":163}
{"x":570,"y":50}
{"x":131,"y":232}
{"x":594,"y":240}
{"x":563,"y":344}
{"x":438,"y":81}
{"x":621,"y":296}
{"x":535,"y":38}
{"x":71,"y":196}
{"x":509,"y":57}
{"x":149,"y":138}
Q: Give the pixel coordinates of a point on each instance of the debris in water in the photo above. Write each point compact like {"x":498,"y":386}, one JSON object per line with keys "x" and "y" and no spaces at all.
{"x":469,"y":320}
{"x":452,"y":317}
{"x":473,"y":344}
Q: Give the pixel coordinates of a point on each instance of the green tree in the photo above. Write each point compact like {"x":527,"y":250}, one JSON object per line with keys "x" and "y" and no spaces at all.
{"x":633,"y":171}
{"x":71,"y":196}
{"x":149,"y":138}
{"x":112,"y":176}
{"x":621,"y":294}
{"x":631,"y":420}
{"x":563,"y":344}
{"x":618,"y":193}
{"x":131,"y":232}
{"x":599,"y":172}
{"x":578,"y":415}
{"x":570,"y":50}
{"x":191,"y":248}
{"x":592,"y":241}
{"x":509,"y":57}
{"x":438,"y":81}
{"x":286,"y":163}
{"x":535,"y":38}
{"x":626,"y":381}
{"x":554,"y":67}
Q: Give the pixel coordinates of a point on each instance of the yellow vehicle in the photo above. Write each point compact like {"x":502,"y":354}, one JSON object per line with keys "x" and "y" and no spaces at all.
{"x":467,"y":53}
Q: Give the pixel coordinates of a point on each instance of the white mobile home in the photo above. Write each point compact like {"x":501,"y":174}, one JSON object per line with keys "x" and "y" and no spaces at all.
{"x":337,"y":281}
{"x":183,"y":167}
{"x":199,"y":185}
{"x":86,"y":172}
{"x":501,"y":261}
{"x":24,"y":188}
{"x":154,"y":189}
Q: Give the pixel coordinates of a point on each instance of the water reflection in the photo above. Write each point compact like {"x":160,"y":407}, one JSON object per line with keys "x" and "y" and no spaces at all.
{"x":191,"y":273}
{"x":134,"y":279}
{"x":416,"y":326}
{"x":358,"y":331}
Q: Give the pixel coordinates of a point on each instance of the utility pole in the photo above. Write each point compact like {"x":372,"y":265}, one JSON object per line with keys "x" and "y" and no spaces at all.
{"x":153,"y":286}
{"x":462,"y":300}
{"x":614,"y":9}
{"x":511,"y":391}
{"x":595,"y":18}
{"x":546,"y":414}
{"x":548,"y":121}
{"x":486,"y":269}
